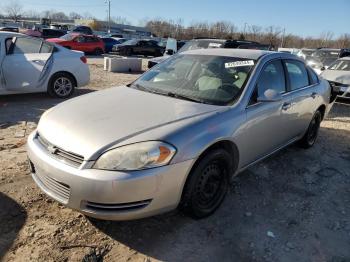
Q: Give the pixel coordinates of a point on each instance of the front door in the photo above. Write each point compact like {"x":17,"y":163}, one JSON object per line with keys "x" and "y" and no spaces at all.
{"x":267,"y":123}
{"x":24,"y":63}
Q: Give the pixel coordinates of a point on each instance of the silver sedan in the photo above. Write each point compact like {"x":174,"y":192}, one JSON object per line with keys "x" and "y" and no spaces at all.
{"x":176,"y":136}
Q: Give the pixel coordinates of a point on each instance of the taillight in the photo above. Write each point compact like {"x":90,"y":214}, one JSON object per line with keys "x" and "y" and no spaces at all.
{"x":83,"y":59}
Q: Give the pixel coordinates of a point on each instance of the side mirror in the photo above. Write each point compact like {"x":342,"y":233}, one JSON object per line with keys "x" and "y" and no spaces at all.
{"x":323,"y":68}
{"x":270,"y":95}
{"x":169,"y":52}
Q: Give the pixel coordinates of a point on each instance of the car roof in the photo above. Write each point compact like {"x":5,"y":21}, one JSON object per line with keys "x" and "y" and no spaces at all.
{"x":239,"y":53}
{"x":328,"y":49}
{"x":10,"y":34}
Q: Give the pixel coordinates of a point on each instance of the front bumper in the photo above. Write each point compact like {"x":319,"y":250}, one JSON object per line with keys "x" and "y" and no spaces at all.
{"x":109,"y":195}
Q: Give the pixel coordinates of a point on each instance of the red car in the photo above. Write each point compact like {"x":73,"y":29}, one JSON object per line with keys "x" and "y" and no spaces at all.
{"x":85,"y":43}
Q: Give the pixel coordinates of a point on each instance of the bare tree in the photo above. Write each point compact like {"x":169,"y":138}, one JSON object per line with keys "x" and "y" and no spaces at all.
{"x":13,"y":10}
{"x":120,"y":20}
{"x":58,"y":15}
{"x":32,"y":14}
{"x":74,"y":15}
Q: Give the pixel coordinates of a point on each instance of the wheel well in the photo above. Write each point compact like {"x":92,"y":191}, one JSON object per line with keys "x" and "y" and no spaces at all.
{"x":67,"y":73}
{"x":322,"y":109}
{"x":227,"y":145}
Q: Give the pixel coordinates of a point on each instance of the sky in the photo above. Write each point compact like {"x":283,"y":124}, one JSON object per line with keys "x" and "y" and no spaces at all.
{"x":301,"y":17}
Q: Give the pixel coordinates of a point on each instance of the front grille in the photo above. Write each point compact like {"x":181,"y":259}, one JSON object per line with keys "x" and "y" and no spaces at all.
{"x":56,"y":189}
{"x":60,"y":154}
{"x":131,"y":206}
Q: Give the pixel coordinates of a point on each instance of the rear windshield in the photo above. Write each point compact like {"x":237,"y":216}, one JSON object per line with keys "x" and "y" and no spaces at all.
{"x":204,"y":44}
{"x":326,"y":54}
{"x":207,"y":79}
{"x":68,"y":37}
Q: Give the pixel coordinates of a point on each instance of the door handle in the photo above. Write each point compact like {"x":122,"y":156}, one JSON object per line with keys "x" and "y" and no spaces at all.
{"x":313,"y":95}
{"x":286,"y":106}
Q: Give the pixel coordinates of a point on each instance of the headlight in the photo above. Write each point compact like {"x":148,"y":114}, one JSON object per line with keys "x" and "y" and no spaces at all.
{"x":137,"y":156}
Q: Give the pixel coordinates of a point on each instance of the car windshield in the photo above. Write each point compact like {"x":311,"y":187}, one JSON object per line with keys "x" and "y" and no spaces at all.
{"x":197,"y":44}
{"x":326,"y":54}
{"x":130,"y":42}
{"x":341,"y":65}
{"x":206,"y":79}
{"x":67,"y":37}
{"x":308,"y":52}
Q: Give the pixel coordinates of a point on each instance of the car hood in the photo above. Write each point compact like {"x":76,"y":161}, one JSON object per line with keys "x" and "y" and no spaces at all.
{"x":95,"y":122}
{"x":338,"y":76}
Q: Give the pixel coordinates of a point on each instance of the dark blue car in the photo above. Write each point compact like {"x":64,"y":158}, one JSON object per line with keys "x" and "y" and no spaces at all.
{"x":110,"y":42}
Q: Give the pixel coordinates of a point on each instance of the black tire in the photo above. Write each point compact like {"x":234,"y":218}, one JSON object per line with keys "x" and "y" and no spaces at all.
{"x":53,"y":88}
{"x":98,"y":51}
{"x":311,"y":134}
{"x":207,"y":185}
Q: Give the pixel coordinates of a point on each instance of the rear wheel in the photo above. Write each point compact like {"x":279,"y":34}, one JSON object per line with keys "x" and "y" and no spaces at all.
{"x":98,"y":51}
{"x":61,"y":85}
{"x":207,"y":185}
{"x":311,"y":134}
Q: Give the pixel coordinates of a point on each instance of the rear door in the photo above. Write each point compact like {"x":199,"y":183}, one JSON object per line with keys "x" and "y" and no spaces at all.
{"x":25,"y":62}
{"x":301,"y":95}
{"x":140,"y":48}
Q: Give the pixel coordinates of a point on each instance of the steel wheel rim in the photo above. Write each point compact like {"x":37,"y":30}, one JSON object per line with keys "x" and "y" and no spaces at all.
{"x":62,"y":86}
{"x":210,"y":188}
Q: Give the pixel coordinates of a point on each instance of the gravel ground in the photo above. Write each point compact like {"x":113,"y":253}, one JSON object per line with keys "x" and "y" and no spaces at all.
{"x":294,"y":206}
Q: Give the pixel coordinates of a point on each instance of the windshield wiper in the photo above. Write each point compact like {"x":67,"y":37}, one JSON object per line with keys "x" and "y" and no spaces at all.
{"x":171,"y":94}
{"x":179,"y":96}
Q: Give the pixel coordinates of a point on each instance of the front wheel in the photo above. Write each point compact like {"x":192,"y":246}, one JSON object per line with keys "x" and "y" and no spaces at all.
{"x":61,"y":85}
{"x":207,"y":185}
{"x":311,"y":134}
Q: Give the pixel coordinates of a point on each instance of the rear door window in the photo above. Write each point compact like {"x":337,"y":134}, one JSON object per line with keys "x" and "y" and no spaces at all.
{"x":297,"y":73}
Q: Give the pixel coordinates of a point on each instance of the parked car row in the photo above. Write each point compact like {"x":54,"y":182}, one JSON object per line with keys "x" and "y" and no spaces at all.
{"x":208,"y":43}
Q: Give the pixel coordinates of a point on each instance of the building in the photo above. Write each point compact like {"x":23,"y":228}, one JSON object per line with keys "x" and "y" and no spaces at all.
{"x":126,"y":31}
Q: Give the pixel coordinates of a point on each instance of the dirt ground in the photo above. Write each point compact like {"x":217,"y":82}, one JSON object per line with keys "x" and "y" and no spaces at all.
{"x":294,"y":206}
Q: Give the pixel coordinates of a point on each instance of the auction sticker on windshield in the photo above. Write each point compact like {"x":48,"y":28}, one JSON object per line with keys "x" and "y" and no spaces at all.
{"x":239,"y":63}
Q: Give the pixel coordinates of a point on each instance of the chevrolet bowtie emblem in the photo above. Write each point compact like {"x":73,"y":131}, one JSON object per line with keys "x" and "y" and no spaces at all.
{"x":52,"y":149}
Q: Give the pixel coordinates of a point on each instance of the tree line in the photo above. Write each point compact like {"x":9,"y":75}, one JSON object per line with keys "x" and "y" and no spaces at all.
{"x":272,"y":35}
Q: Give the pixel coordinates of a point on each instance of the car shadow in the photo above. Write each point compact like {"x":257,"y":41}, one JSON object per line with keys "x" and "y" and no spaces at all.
{"x":28,"y":107}
{"x":12,"y":217}
{"x":291,"y":194}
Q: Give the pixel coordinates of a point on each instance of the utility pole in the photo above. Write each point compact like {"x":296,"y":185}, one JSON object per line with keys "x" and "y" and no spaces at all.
{"x":244,"y":30}
{"x":284,"y":32}
{"x":109,"y":15}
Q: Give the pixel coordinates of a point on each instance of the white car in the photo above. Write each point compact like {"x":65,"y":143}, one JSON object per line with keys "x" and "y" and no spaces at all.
{"x":338,"y":74}
{"x":31,"y":65}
